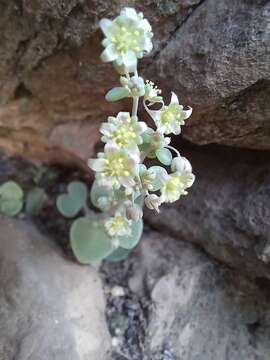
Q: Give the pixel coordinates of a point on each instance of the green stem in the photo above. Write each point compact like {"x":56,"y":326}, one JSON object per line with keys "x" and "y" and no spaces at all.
{"x":135,"y":99}
{"x":172,"y":148}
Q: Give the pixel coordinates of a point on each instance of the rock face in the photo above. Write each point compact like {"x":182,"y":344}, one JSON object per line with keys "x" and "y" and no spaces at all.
{"x":51,"y":77}
{"x":50,"y":308}
{"x":227,"y":210}
{"x":200,"y":311}
{"x":214,"y":54}
{"x":221,"y":64}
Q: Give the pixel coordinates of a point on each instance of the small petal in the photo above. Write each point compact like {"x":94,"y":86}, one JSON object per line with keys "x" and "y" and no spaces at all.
{"x":97,"y":164}
{"x":109,"y":54}
{"x":187,"y":113}
{"x":105,"y":24}
{"x":129,"y":13}
{"x":181,"y":164}
{"x":155,"y":114}
{"x":174,"y":99}
{"x":130,"y":60}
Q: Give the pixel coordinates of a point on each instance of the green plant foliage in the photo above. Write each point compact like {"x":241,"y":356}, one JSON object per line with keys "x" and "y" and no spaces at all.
{"x":116,"y":94}
{"x":35,"y":200}
{"x":164,"y":156}
{"x":129,"y":242}
{"x":118,"y":255}
{"x":11,"y":190}
{"x":11,"y":198}
{"x":89,"y":240}
{"x":97,"y":192}
{"x":123,"y":183}
{"x":71,"y":203}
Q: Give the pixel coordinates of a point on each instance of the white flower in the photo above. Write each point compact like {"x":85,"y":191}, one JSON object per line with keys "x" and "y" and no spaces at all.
{"x":176,"y":185}
{"x":170,"y":118}
{"x":153,"y":201}
{"x":124,"y":131}
{"x":115,"y":167}
{"x":118,"y":225}
{"x":128,"y":37}
{"x":152,"y":93}
{"x":147,"y":177}
{"x":181,"y":164}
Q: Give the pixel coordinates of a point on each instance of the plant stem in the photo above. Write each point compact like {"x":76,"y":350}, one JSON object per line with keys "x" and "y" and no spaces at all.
{"x":135,"y":99}
{"x":172,"y":148}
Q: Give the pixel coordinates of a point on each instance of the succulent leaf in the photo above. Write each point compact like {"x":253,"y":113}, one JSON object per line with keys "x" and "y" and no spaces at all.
{"x":11,"y":207}
{"x":116,"y":94}
{"x":71,"y":203}
{"x":35,"y":200}
{"x":98,"y":191}
{"x":11,"y":190}
{"x":130,"y":241}
{"x":164,"y":156}
{"x":118,"y":255}
{"x":89,"y":241}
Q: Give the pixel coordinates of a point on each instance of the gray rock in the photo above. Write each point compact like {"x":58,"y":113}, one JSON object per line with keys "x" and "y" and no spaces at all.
{"x":219,"y":63}
{"x":227,"y":210}
{"x":50,"y":307}
{"x":200,"y":310}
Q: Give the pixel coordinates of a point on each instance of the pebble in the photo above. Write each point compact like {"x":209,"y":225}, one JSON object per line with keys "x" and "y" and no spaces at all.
{"x":117,"y":291}
{"x":115,"y":341}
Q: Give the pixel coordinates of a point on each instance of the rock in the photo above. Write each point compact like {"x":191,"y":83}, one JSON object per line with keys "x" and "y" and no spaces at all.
{"x":227,"y":209}
{"x":200,"y":310}
{"x":219,"y":63}
{"x":51,"y":77}
{"x":50,"y":307}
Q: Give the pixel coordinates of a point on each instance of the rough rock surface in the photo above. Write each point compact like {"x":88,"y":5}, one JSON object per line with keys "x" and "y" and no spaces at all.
{"x":227,"y":209}
{"x":200,"y":311}
{"x":50,"y":308}
{"x":51,"y":75}
{"x":221,"y":66}
{"x":214,"y":54}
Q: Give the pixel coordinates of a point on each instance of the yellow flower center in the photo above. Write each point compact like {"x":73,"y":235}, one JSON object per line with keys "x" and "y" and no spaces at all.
{"x":125,"y":134}
{"x":118,"y":223}
{"x":117,"y":165}
{"x":173,"y":184}
{"x":170,"y":114}
{"x":127,"y":39}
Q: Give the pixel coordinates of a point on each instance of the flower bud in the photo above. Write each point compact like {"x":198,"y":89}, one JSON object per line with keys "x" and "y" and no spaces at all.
{"x":134,"y":212}
{"x":136,"y":86}
{"x":153,"y":201}
{"x":181,"y":164}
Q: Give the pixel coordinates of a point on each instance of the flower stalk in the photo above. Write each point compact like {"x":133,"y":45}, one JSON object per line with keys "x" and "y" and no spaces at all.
{"x":123,"y":182}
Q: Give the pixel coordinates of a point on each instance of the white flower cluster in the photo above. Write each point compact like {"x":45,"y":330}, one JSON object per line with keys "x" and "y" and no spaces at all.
{"x":125,"y":183}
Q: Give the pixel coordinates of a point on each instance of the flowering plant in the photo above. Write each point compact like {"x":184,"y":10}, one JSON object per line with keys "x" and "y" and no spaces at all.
{"x":123,"y":183}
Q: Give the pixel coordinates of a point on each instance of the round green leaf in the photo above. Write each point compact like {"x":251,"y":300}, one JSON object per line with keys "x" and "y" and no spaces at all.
{"x":11,"y":190}
{"x":71,"y":203}
{"x":129,"y":242}
{"x":89,"y":241}
{"x":97,"y":192}
{"x":116,"y":94}
{"x":164,"y":156}
{"x":78,"y":190}
{"x":11,"y":207}
{"x":118,"y":255}
{"x":67,"y":205}
{"x":35,"y":200}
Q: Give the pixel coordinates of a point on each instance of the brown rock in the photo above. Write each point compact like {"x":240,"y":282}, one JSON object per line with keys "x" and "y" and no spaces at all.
{"x":227,"y":209}
{"x":219,"y":63}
